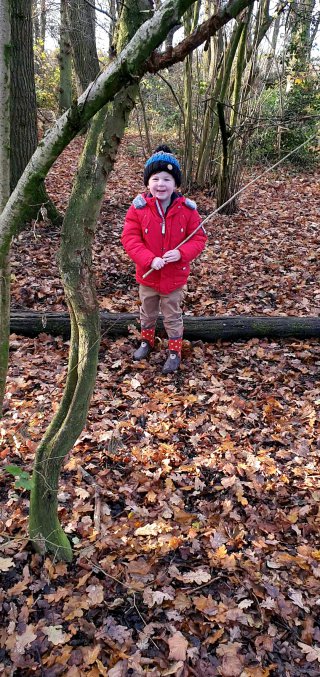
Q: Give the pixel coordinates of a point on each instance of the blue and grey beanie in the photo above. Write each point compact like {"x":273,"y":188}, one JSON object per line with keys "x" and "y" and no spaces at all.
{"x":162,"y":160}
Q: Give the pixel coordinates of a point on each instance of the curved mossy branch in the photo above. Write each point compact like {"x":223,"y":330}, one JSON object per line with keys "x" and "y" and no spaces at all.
{"x":79,"y":228}
{"x":45,"y":530}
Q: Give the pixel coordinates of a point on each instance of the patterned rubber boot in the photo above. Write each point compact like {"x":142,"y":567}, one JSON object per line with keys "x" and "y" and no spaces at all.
{"x":174,"y":358}
{"x":147,"y":343}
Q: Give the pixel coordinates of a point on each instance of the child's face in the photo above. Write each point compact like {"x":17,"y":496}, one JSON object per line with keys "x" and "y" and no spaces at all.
{"x":162,"y":185}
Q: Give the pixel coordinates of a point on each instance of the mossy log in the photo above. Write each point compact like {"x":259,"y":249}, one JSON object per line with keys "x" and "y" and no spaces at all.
{"x":208,"y":328}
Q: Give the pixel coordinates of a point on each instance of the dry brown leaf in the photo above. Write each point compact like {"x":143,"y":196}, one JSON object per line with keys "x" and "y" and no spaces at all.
{"x":25,"y":639}
{"x":56,"y":635}
{"x":178,"y":647}
{"x":312,"y":652}
{"x":95,"y":594}
{"x":173,"y":670}
{"x":6,"y":563}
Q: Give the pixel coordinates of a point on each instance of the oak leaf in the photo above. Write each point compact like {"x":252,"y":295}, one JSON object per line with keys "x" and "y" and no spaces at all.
{"x":312,"y":652}
{"x":24,"y":640}
{"x":6,"y":563}
{"x":173,"y":669}
{"x":152,"y":597}
{"x":178,"y":647}
{"x":56,"y":635}
{"x":152,"y":529}
{"x":95,"y":594}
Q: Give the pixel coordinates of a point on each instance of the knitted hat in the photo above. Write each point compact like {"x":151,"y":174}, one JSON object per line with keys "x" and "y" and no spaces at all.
{"x":162,"y":160}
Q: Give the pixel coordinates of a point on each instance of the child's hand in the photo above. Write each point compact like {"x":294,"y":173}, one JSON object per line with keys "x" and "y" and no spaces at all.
{"x":172,"y":255}
{"x":157,"y":263}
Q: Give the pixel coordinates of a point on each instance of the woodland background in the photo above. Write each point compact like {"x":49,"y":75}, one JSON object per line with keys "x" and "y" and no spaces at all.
{"x":191,"y":502}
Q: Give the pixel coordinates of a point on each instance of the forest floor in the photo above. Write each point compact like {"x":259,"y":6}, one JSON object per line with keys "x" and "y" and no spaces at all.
{"x":192,"y":501}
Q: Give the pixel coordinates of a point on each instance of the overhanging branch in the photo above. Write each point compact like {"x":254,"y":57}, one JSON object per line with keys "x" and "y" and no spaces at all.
{"x":206,"y":30}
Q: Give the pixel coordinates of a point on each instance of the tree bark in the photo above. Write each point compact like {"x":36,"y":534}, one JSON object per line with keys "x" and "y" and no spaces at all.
{"x":35,"y":20}
{"x":5,"y":43}
{"x":43,"y":21}
{"x":190,"y":21}
{"x":32,"y":323}
{"x":23,"y":108}
{"x":81,"y":22}
{"x":23,"y":94}
{"x":218,"y":94}
{"x":65,"y":98}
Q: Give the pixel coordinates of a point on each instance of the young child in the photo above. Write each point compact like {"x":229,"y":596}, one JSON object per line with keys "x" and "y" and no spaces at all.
{"x":155,"y":224}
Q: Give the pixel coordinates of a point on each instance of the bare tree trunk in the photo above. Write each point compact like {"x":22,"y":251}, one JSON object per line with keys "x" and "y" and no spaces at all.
{"x":45,"y":530}
{"x":5,"y":43}
{"x":218,"y":94}
{"x":23,"y":108}
{"x":145,"y":122}
{"x":112,"y":25}
{"x":35,"y":20}
{"x":43,"y":21}
{"x":190,"y":22}
{"x":225,"y":186}
{"x":81,"y":22}
{"x":23,"y":94}
{"x":65,"y":97}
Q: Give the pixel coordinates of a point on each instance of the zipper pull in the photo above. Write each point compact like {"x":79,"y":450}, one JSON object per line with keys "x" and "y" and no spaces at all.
{"x":163,"y":228}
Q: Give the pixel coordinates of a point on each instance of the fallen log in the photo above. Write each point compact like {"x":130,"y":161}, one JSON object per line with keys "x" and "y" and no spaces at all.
{"x":227,"y":328}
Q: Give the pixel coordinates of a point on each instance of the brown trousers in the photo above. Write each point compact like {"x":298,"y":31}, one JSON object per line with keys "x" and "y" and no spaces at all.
{"x":170,"y":306}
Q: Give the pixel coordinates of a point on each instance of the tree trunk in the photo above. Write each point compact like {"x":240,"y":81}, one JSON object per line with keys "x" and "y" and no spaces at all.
{"x":43,"y":21}
{"x":65,"y":98}
{"x":218,"y":94}
{"x":145,"y":123}
{"x":23,"y":94}
{"x":5,"y":44}
{"x":45,"y":530}
{"x":81,"y":23}
{"x":23,"y":109}
{"x":36,"y":22}
{"x":31,"y":323}
{"x":190,"y":22}
{"x":225,"y":185}
{"x":302,"y":95}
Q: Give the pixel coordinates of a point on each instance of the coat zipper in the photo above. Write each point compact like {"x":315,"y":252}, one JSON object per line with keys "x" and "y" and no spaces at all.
{"x":163,"y":223}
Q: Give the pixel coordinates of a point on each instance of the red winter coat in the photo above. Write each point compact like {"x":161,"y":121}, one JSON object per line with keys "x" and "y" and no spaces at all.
{"x":143,"y":239}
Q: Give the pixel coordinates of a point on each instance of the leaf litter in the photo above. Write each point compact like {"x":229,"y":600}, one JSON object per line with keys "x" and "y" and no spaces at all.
{"x":192,"y":501}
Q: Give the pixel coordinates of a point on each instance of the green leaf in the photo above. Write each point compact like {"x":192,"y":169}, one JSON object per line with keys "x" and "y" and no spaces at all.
{"x":24,"y":480}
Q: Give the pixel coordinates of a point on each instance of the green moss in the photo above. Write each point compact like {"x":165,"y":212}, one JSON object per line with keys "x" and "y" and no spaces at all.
{"x":7,"y":54}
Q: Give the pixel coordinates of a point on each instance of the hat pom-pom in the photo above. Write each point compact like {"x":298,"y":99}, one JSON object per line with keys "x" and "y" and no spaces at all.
{"x":163,"y":148}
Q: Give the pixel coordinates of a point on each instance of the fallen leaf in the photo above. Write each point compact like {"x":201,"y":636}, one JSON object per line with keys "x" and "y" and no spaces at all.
{"x":6,"y":563}
{"x":178,"y":647}
{"x":312,"y":652}
{"x":56,"y":635}
{"x":25,"y":639}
